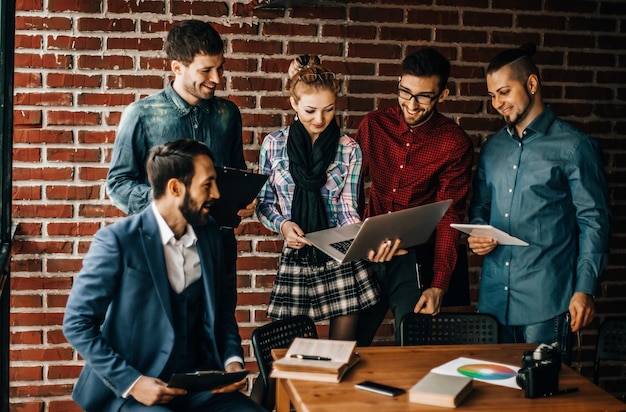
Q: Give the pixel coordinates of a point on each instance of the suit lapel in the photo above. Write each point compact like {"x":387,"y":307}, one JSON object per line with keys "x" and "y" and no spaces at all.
{"x":208,"y":273}
{"x":153,"y":251}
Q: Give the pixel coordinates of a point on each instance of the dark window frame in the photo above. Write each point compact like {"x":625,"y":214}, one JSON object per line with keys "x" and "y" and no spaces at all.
{"x":7,"y":41}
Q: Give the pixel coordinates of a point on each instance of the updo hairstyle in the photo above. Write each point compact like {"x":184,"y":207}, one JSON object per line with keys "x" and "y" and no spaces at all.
{"x":306,"y":74}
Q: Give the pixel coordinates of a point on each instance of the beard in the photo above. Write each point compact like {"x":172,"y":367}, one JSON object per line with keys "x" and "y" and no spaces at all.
{"x":195,"y":216}
{"x":419,"y":118}
{"x":520,"y":116}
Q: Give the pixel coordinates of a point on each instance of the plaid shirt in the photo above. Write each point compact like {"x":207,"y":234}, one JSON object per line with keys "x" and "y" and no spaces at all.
{"x":340,"y":191}
{"x":412,"y":167}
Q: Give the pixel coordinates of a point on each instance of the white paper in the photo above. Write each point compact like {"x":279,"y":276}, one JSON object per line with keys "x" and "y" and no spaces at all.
{"x":480,"y":370}
{"x":489,"y":231}
{"x":339,"y":351}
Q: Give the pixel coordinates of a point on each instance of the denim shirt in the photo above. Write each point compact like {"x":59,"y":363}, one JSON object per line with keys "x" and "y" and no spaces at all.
{"x":161,"y":118}
{"x":549,"y":189}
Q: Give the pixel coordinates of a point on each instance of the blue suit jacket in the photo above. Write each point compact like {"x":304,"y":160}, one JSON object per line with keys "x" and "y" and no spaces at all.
{"x":118,"y":315}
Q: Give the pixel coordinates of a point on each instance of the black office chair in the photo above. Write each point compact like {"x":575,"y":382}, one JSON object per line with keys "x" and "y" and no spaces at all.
{"x":448,"y":328}
{"x":275,"y":335}
{"x":611,"y":344}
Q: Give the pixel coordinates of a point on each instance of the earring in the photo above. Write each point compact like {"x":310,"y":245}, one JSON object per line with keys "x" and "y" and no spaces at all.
{"x":296,"y":118}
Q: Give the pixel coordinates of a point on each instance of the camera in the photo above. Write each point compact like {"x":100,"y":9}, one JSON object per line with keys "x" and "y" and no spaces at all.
{"x":539,"y":375}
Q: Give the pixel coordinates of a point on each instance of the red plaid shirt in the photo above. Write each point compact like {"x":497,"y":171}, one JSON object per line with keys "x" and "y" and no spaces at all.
{"x":412,"y":167}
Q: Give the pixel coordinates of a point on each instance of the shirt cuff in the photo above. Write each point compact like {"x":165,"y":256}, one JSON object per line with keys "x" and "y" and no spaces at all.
{"x":130,"y":388}
{"x":234,"y":359}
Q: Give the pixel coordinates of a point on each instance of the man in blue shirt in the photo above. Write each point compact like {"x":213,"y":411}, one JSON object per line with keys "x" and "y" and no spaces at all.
{"x":541,"y":180}
{"x":187,"y":108}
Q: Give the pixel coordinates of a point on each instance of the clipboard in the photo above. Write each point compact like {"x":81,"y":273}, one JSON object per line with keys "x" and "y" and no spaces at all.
{"x":489,"y":231}
{"x":238,"y":188}
{"x":205,"y":380}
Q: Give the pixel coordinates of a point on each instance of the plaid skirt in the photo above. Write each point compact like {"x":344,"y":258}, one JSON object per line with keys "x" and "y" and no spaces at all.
{"x":321,"y":291}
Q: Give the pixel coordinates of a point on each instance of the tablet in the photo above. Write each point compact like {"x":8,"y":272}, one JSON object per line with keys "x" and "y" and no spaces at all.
{"x":238,"y":188}
{"x":489,"y":231}
{"x":205,"y":380}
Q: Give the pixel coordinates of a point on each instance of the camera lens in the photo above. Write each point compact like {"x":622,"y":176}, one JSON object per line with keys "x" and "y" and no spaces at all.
{"x":521,"y":378}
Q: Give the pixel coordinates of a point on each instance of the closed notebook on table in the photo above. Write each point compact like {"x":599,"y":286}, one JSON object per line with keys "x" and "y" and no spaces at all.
{"x":441,"y":390}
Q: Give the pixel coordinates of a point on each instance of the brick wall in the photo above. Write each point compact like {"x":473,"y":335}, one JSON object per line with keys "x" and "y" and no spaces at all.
{"x":79,"y":63}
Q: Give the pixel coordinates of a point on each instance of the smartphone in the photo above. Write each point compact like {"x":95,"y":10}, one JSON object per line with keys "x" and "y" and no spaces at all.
{"x":379,"y":388}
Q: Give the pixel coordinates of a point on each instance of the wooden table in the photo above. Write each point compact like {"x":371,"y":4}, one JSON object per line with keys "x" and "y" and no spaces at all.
{"x":404,"y":366}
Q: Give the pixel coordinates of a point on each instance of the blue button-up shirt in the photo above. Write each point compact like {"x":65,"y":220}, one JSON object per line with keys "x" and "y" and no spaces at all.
{"x":161,"y":118}
{"x":547,"y":188}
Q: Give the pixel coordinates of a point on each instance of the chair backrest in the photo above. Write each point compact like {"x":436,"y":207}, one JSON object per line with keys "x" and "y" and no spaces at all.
{"x":611,"y":344}
{"x":448,"y":328}
{"x":279,"y":334}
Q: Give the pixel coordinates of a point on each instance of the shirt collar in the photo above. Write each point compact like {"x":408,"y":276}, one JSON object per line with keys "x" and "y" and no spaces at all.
{"x":182,"y":107}
{"x":167,"y":235}
{"x":540,"y":124}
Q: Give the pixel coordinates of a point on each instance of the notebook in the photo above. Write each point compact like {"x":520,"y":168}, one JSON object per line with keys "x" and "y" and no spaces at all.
{"x":238,"y":188}
{"x":412,"y":226}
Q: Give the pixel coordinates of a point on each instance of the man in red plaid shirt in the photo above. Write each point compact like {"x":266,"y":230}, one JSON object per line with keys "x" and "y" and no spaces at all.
{"x":413,"y":156}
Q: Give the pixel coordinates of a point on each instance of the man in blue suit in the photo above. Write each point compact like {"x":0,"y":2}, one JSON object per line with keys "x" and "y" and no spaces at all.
{"x":151,"y":298}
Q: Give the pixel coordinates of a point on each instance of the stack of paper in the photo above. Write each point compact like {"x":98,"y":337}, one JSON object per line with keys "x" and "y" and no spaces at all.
{"x":320,"y":360}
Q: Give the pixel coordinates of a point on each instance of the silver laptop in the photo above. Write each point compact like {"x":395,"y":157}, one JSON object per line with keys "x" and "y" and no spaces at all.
{"x":353,"y":242}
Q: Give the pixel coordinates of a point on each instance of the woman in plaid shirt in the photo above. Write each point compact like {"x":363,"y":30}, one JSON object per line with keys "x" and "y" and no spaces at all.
{"x":314,"y":174}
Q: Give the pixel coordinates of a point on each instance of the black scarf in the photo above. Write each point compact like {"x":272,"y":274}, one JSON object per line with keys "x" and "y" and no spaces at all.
{"x":307,"y":165}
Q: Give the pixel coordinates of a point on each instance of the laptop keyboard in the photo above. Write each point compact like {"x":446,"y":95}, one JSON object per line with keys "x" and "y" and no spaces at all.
{"x":342,"y":246}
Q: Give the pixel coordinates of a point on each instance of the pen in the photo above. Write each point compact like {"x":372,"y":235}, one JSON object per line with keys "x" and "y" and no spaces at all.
{"x":311,"y":357}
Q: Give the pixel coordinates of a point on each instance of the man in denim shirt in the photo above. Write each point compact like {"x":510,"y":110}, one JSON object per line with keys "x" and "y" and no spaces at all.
{"x":541,"y":180}
{"x":187,"y":108}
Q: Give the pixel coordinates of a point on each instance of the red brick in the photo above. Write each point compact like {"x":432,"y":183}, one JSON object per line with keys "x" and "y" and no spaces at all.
{"x":66,"y":118}
{"x":78,"y":81}
{"x":26,"y":193}
{"x":21,"y":135}
{"x":105,"y":99}
{"x":39,"y":319}
{"x":134,"y":82}
{"x":40,"y":391}
{"x":25,"y":373}
{"x":64,"y":265}
{"x":375,"y":51}
{"x":200,"y":8}
{"x":42,"y":23}
{"x":46,"y":61}
{"x":42,"y":173}
{"x":26,"y":301}
{"x":56,"y":301}
{"x":28,"y":229}
{"x":254,"y":46}
{"x":99,"y":211}
{"x":283,"y":29}
{"x":93,"y":173}
{"x":92,"y":6}
{"x":28,"y":41}
{"x":74,"y":43}
{"x":96,"y":136}
{"x":108,"y":62}
{"x":55,"y":336}
{"x":125,"y":43}
{"x":35,"y":406}
{"x":257,"y":263}
{"x":28,"y":5}
{"x":377,"y":13}
{"x":29,"y":247}
{"x":29,"y":154}
{"x":42,"y":211}
{"x":72,"y":228}
{"x":28,"y":337}
{"x":32,"y":80}
{"x":25,"y":265}
{"x":147,"y":6}
{"x":88,"y":24}
{"x":63,"y":406}
{"x":73,"y":192}
{"x":43,"y":99}
{"x":64,"y":371}
{"x":26,"y":118}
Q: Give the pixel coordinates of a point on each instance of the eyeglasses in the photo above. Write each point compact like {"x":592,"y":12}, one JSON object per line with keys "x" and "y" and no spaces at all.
{"x":424,"y":99}
{"x":312,"y":77}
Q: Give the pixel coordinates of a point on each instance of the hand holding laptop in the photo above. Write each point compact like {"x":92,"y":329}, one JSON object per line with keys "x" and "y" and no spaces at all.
{"x":386,"y":251}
